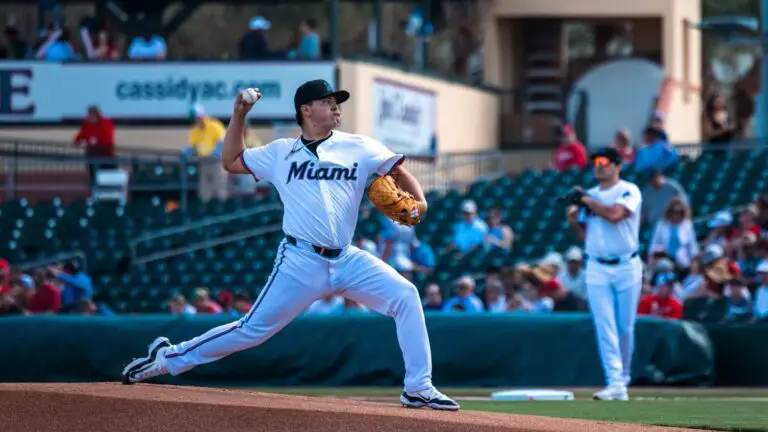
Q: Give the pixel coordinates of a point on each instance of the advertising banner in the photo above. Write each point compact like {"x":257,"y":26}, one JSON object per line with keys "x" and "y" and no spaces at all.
{"x":48,"y":92}
{"x":404,"y":117}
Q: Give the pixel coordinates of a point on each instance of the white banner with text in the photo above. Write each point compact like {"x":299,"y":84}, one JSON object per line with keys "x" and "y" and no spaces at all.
{"x":404,"y":118}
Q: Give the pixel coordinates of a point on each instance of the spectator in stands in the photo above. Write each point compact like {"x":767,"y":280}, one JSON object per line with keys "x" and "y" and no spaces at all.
{"x":662,"y":303}
{"x":465,"y":297}
{"x":571,"y":152}
{"x":76,"y":284}
{"x":532,"y":280}
{"x":423,"y":257}
{"x":719,"y":129}
{"x":179,"y":306}
{"x":5,"y":276}
{"x":551,"y":265}
{"x":748,"y":221}
{"x":57,"y":47}
{"x":657,"y":122}
{"x":717,"y":269}
{"x":201,"y":300}
{"x":242,"y":303}
{"x":46,"y":297}
{"x":85,"y":307}
{"x":470,"y":232}
{"x":744,"y":250}
{"x":309,"y":41}
{"x":14,"y":48}
{"x":495,"y":300}
{"x":695,"y":284}
{"x":657,"y":153}
{"x":225,"y":299}
{"x":97,"y":136}
{"x":761,"y":293}
{"x":253,"y":44}
{"x":365,"y":244}
{"x":396,"y":242}
{"x":674,"y":235}
{"x":205,"y":140}
{"x":658,"y":195}
{"x":8,"y":304}
{"x":105,"y":47}
{"x":22,"y":288}
{"x":572,"y":276}
{"x":433,"y":298}
{"x":328,"y":305}
{"x":148,"y":47}
{"x":622,"y":143}
{"x":722,"y":228}
{"x":500,"y":235}
{"x":739,"y":301}
{"x":564,"y":299}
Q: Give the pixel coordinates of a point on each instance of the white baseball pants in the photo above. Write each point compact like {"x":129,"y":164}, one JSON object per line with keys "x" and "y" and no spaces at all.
{"x":301,"y":276}
{"x":613,"y":292}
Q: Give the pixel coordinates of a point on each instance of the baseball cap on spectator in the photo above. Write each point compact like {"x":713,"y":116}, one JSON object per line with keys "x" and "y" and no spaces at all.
{"x":5,"y":266}
{"x":665,"y":265}
{"x":27,"y":281}
{"x":574,"y":254}
{"x":552,"y":258}
{"x":197,"y":111}
{"x":721,"y":219}
{"x":659,"y":116}
{"x":469,"y":206}
{"x":550,"y":286}
{"x":259,"y":23}
{"x":712,"y":253}
{"x":762,"y":267}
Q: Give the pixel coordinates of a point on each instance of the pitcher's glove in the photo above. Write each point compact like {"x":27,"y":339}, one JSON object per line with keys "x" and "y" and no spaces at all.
{"x":574,"y":196}
{"x":395,"y":203}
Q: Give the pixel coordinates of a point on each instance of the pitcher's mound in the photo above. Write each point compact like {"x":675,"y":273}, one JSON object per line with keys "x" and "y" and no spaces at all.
{"x":111,"y":407}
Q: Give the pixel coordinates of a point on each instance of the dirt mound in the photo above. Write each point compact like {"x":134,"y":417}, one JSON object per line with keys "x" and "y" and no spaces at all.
{"x":111,"y":407}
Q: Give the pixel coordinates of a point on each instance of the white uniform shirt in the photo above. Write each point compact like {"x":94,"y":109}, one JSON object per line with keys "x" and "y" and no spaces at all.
{"x":605,"y":239}
{"x":321,"y":195}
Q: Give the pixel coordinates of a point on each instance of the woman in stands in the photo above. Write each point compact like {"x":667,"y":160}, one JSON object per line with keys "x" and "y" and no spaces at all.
{"x":675,"y":236}
{"x":719,"y":127}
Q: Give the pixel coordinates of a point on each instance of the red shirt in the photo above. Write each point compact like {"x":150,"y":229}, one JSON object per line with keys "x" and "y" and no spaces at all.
{"x":662,"y":307}
{"x":99,"y":138}
{"x":733,"y":269}
{"x":569,"y":155}
{"x":45,"y":299}
{"x":209,"y":307}
{"x":5,"y":288}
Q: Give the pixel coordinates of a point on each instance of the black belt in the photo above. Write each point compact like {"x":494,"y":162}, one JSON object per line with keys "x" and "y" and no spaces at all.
{"x":328,"y":253}
{"x":612,"y":261}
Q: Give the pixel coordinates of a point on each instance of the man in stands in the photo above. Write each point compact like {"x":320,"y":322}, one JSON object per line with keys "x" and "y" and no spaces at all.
{"x":97,"y":135}
{"x":564,"y":300}
{"x":662,"y":303}
{"x":657,"y":195}
{"x":46,"y":297}
{"x":202,"y":302}
{"x":657,"y":153}
{"x":470,"y":232}
{"x":205,"y":141}
{"x":76,"y":285}
{"x":623,"y":145}
{"x":465,"y":298}
{"x":571,"y":152}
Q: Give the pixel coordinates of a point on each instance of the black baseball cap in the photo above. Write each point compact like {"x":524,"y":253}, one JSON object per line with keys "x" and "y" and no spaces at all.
{"x":315,"y":90}
{"x":610,"y":153}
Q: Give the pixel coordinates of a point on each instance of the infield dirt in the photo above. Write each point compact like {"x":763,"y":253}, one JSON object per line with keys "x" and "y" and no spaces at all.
{"x":111,"y":407}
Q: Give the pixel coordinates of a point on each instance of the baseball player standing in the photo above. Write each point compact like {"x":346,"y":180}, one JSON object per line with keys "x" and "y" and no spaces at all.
{"x":607,"y":218}
{"x":321,"y":177}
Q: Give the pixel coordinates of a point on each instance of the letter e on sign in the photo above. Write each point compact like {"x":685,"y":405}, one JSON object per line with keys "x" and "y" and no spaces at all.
{"x":15,"y":84}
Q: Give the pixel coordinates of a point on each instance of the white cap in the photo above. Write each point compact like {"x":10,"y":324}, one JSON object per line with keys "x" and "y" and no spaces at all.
{"x":574,"y":254}
{"x":721,"y":219}
{"x":762,"y":267}
{"x":665,"y":264}
{"x":553,"y":258}
{"x":469,"y":206}
{"x":198,"y":110}
{"x":712,"y":253}
{"x":259,"y":23}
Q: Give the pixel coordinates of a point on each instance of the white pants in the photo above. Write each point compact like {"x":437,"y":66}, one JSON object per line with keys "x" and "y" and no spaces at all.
{"x":614,"y":293}
{"x":301,"y":276}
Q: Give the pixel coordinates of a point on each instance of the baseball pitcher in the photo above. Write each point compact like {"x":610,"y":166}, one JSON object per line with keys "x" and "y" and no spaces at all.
{"x":607,"y":218}
{"x":321,"y":177}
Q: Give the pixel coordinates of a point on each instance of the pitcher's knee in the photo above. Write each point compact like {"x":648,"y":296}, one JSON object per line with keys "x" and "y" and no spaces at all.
{"x":406,"y":296}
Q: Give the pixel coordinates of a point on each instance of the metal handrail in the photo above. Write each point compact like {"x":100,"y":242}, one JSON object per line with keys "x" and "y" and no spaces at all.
{"x":213,"y":220}
{"x":67,"y":146}
{"x":205,"y":244}
{"x":56,"y":258}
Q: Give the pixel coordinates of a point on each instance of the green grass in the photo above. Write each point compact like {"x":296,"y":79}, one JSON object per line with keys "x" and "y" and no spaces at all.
{"x":700,"y":408}
{"x":742,"y":416}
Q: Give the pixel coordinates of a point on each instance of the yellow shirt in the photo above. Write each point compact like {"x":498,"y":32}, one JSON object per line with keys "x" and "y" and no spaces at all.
{"x":205,"y":139}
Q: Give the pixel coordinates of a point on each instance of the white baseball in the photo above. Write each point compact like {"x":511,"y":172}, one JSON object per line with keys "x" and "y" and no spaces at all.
{"x":251,"y":95}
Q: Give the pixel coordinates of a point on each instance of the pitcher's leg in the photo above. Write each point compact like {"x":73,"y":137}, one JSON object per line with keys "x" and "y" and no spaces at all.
{"x":603,"y":306}
{"x":628,"y":289}
{"x":369,"y":281}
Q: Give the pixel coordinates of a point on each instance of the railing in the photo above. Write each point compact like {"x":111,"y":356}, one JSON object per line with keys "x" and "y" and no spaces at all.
{"x":210,"y":221}
{"x":79,"y":254}
{"x":209,"y":243}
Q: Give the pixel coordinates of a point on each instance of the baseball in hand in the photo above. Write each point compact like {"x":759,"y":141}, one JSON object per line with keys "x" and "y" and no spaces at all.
{"x":251,"y":95}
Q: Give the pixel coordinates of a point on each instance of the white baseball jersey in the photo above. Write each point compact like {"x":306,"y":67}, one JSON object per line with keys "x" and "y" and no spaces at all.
{"x":322,"y":212}
{"x":608,"y":240}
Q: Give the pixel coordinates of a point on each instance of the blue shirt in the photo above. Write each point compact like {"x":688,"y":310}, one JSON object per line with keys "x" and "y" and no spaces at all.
{"x":60,"y":51}
{"x":424,"y":256}
{"x":467,"y":235}
{"x":471,"y":303}
{"x":76,"y":287}
{"x":309,"y":48}
{"x":657,"y":155}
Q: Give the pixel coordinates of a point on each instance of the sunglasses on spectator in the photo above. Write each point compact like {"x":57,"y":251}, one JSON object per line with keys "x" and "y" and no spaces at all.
{"x":601,"y":161}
